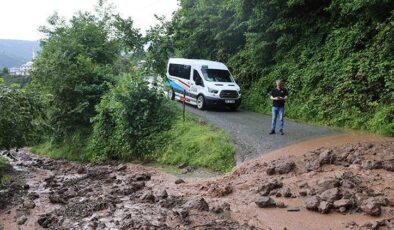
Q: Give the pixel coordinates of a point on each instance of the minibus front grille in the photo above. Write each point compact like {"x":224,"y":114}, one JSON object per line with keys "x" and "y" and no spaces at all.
{"x":228,"y":94}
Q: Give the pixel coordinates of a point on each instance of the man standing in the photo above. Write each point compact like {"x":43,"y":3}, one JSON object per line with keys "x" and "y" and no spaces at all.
{"x":278,"y":97}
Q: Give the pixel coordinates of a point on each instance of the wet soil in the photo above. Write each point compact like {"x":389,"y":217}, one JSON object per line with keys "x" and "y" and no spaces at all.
{"x":336,"y":182}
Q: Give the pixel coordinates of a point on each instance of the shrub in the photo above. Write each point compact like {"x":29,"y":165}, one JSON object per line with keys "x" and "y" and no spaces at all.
{"x":129,"y":116}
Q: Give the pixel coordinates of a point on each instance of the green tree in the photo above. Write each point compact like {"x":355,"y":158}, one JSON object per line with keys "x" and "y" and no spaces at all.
{"x":76,"y":65}
{"x":21,"y":117}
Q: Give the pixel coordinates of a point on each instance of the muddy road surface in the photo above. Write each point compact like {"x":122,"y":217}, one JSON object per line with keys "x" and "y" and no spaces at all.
{"x":250,"y":130}
{"x":336,"y":182}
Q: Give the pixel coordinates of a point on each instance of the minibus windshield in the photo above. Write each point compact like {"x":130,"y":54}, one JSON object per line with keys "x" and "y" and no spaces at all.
{"x":216,"y":75}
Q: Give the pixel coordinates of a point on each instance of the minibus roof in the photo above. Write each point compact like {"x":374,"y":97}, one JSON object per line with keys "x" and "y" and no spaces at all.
{"x":199,"y":63}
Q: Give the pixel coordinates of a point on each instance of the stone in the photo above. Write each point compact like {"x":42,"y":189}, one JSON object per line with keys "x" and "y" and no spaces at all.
{"x":56,"y":199}
{"x":148,"y":197}
{"x":29,"y":204}
{"x":33,"y":196}
{"x":346,"y":203}
{"x":324,"y":207}
{"x":268,"y":186}
{"x":121,"y":168}
{"x":280,"y":204}
{"x":265,"y":202}
{"x":293,"y":209}
{"x":286,"y":192}
{"x":81,"y":170}
{"x":163,"y":194}
{"x":21,"y":220}
{"x":197,"y":203}
{"x":312,"y":165}
{"x":179,"y":181}
{"x":303,"y":192}
{"x":285,"y":167}
{"x":330,"y":195}
{"x":270,"y":171}
{"x":371,"y":207}
{"x":142,"y":177}
{"x":312,"y":203}
{"x":326,"y":157}
{"x":328,"y":183}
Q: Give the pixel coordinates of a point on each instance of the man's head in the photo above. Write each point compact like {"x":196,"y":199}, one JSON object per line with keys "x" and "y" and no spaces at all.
{"x":280,"y":84}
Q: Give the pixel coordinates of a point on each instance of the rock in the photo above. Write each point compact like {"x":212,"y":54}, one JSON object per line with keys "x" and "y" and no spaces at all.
{"x":303,"y":185}
{"x":221,"y":208}
{"x":328,"y":183}
{"x":326,"y":157}
{"x":21,"y":220}
{"x":219,"y":191}
{"x":293,"y":209}
{"x":280,"y":204}
{"x":28,"y":204}
{"x":286,"y":192}
{"x":312,"y":165}
{"x":270,"y":170}
{"x":163,"y":194}
{"x":346,"y":203}
{"x":372,"y":207}
{"x":56,"y":199}
{"x":265,"y":202}
{"x":324,"y":207}
{"x":285,"y":167}
{"x":148,"y":197}
{"x":330,"y":195}
{"x":303,"y":192}
{"x":267,"y":187}
{"x":312,"y":203}
{"x":179,"y":181}
{"x":187,"y":169}
{"x":389,"y":165}
{"x":142,"y":177}
{"x":197,"y":203}
{"x":81,"y":170}
{"x":121,"y":168}
{"x":33,"y":196}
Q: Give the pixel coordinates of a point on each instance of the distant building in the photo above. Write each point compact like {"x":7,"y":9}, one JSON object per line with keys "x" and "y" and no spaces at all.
{"x":23,"y":70}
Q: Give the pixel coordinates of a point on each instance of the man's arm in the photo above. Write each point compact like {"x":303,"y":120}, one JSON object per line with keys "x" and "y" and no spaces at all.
{"x":274,"y":98}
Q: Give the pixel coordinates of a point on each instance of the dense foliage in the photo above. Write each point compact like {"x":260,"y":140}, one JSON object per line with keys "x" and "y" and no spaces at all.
{"x":99,"y":103}
{"x":335,"y":55}
{"x":76,"y":64}
{"x":129,"y":116}
{"x":21,"y":117}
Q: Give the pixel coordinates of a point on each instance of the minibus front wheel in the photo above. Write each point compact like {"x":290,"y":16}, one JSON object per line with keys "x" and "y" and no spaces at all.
{"x":201,"y":102}
{"x":171,"y":94}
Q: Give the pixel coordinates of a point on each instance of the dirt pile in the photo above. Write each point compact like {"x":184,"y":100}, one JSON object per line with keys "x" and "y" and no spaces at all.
{"x":347,"y":186}
{"x":70,"y":195}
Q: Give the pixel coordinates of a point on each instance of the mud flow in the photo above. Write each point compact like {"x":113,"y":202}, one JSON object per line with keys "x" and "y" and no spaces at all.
{"x":325,"y":184}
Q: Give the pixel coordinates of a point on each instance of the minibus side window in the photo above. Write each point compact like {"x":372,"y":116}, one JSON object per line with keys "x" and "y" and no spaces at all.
{"x":197,"y":78}
{"x":181,"y":71}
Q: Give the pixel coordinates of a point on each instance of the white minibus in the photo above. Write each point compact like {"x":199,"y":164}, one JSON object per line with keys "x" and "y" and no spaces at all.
{"x":204,"y":83}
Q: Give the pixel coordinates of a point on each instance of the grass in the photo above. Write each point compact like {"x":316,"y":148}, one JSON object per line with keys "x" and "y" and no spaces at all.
{"x":5,"y":168}
{"x":191,"y":142}
{"x":196,"y":144}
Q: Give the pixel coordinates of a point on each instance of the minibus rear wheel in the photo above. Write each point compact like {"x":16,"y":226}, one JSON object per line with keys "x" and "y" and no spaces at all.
{"x":201,"y":102}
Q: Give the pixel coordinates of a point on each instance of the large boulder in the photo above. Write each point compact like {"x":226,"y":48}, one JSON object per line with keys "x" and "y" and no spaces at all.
{"x":312,"y":203}
{"x":197,"y":203}
{"x":265,"y":202}
{"x":268,"y":186}
{"x":372,"y":207}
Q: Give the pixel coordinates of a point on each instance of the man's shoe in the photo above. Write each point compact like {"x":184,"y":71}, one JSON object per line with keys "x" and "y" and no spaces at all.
{"x":272,"y":132}
{"x":281,"y":132}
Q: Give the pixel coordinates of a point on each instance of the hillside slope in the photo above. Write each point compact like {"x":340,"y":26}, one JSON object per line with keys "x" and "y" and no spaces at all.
{"x":336,"y":56}
{"x":14,"y":53}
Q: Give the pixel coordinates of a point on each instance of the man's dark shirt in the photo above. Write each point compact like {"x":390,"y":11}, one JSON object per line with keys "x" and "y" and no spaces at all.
{"x":278,"y":93}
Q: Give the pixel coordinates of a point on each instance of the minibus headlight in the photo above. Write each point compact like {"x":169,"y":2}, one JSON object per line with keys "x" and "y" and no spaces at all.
{"x":212,"y":90}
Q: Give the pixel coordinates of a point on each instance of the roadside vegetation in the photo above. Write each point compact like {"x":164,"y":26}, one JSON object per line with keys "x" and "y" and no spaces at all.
{"x":99,"y":107}
{"x":336,"y":56}
{"x":5,"y":169}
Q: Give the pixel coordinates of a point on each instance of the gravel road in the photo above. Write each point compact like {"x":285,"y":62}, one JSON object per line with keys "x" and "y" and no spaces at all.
{"x":249,"y":131}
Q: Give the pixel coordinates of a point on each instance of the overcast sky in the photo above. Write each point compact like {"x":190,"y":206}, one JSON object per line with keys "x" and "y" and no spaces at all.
{"x":20,"y":19}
